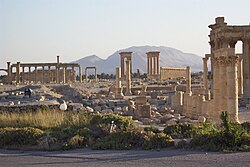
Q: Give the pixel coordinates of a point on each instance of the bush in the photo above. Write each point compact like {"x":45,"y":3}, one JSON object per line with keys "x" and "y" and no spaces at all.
{"x":120,"y":141}
{"x":19,"y":136}
{"x":122,"y":123}
{"x":180,"y":130}
{"x":229,"y":137}
{"x":157,"y":141}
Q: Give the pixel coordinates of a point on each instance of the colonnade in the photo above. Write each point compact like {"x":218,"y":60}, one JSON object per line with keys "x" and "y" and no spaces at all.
{"x":124,"y":57}
{"x":43,"y":72}
{"x":153,"y":65}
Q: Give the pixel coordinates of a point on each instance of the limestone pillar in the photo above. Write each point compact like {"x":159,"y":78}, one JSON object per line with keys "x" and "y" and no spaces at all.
{"x":49,"y":75}
{"x":246,"y":69}
{"x":86,"y":74}
{"x":205,"y":73}
{"x":223,"y":84}
{"x":74,"y":74}
{"x":189,"y":80}
{"x":29,"y":79}
{"x":35,"y":74}
{"x":18,"y":73}
{"x":128,"y":78}
{"x":23,"y":79}
{"x":42,"y":74}
{"x":64,"y":74}
{"x":57,"y":73}
{"x":9,"y":73}
{"x":95,"y":75}
{"x":157,"y":65}
{"x":118,"y":93}
{"x":80,"y":74}
{"x":150,"y":67}
{"x":148,"y":62}
{"x":122,"y":67}
{"x":232,"y":87}
{"x":240,"y":76}
{"x":216,"y":90}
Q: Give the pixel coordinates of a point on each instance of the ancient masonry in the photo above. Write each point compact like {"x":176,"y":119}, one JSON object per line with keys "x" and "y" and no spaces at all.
{"x":153,"y":65}
{"x":86,"y":73}
{"x":43,"y":72}
{"x":124,"y":57}
{"x":230,"y":75}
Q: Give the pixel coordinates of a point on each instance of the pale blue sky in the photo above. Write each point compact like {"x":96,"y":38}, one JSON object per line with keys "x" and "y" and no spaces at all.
{"x":38,"y":30}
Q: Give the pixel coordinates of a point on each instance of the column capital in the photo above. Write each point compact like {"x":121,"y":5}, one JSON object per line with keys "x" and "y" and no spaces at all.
{"x":232,"y":60}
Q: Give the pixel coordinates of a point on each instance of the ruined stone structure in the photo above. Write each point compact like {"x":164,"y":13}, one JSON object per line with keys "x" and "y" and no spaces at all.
{"x":124,"y":57}
{"x":226,"y":36}
{"x":118,"y":92}
{"x":172,"y":72}
{"x":229,"y":79}
{"x":153,"y":65}
{"x":86,"y":73}
{"x":128,"y":78}
{"x":43,"y":72}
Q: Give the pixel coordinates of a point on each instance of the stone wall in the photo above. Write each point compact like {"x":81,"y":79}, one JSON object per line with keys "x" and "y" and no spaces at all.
{"x":172,"y":72}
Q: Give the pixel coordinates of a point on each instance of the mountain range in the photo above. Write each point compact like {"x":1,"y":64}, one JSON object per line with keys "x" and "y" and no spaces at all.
{"x":169,"y":57}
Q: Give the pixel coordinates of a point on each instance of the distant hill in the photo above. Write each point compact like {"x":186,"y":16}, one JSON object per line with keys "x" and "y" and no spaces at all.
{"x":168,"y":57}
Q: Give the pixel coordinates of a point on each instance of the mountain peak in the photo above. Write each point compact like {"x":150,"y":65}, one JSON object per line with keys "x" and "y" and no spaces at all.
{"x":168,"y":57}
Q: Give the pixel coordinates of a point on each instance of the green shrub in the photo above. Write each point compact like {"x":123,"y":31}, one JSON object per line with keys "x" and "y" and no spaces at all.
{"x":246,"y":126}
{"x":180,"y":130}
{"x":229,"y":137}
{"x":123,"y":140}
{"x":19,"y":136}
{"x":157,"y":141}
{"x":122,"y":123}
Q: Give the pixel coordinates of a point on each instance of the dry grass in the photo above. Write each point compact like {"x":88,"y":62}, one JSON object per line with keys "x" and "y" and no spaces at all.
{"x":44,"y":119}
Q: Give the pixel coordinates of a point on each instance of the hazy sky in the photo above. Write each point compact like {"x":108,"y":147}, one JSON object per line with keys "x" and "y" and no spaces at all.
{"x":38,"y":30}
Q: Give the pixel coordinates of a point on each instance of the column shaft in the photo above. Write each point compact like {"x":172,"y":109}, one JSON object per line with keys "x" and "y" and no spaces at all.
{"x":232,"y":88}
{"x":128,"y":78}
{"x":246,"y":69}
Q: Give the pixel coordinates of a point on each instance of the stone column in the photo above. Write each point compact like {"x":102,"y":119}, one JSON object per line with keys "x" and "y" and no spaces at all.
{"x":122,"y":66}
{"x":216,"y":90}
{"x":240,"y":76}
{"x":86,"y":74}
{"x":18,"y":73}
{"x":42,"y":74}
{"x":29,"y":74}
{"x":95,"y":75}
{"x":189,"y":80}
{"x":232,"y":87}
{"x":57,"y":73}
{"x":74,"y":74}
{"x":246,"y":69}
{"x":35,"y":74}
{"x":64,"y":74}
{"x":223,"y":84}
{"x":128,"y":78}
{"x":49,"y":75}
{"x":23,"y":79}
{"x":157,"y":65}
{"x":9,"y":73}
{"x":205,"y":73}
{"x":118,"y":93}
{"x":80,"y":74}
{"x":150,"y":67}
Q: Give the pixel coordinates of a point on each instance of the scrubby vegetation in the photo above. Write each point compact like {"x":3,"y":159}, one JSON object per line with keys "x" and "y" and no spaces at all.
{"x":53,"y":130}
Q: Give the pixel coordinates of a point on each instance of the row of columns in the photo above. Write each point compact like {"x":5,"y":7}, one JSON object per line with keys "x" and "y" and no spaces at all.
{"x":59,"y":72}
{"x":86,"y":73}
{"x":124,"y":57}
{"x":153,"y":65}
